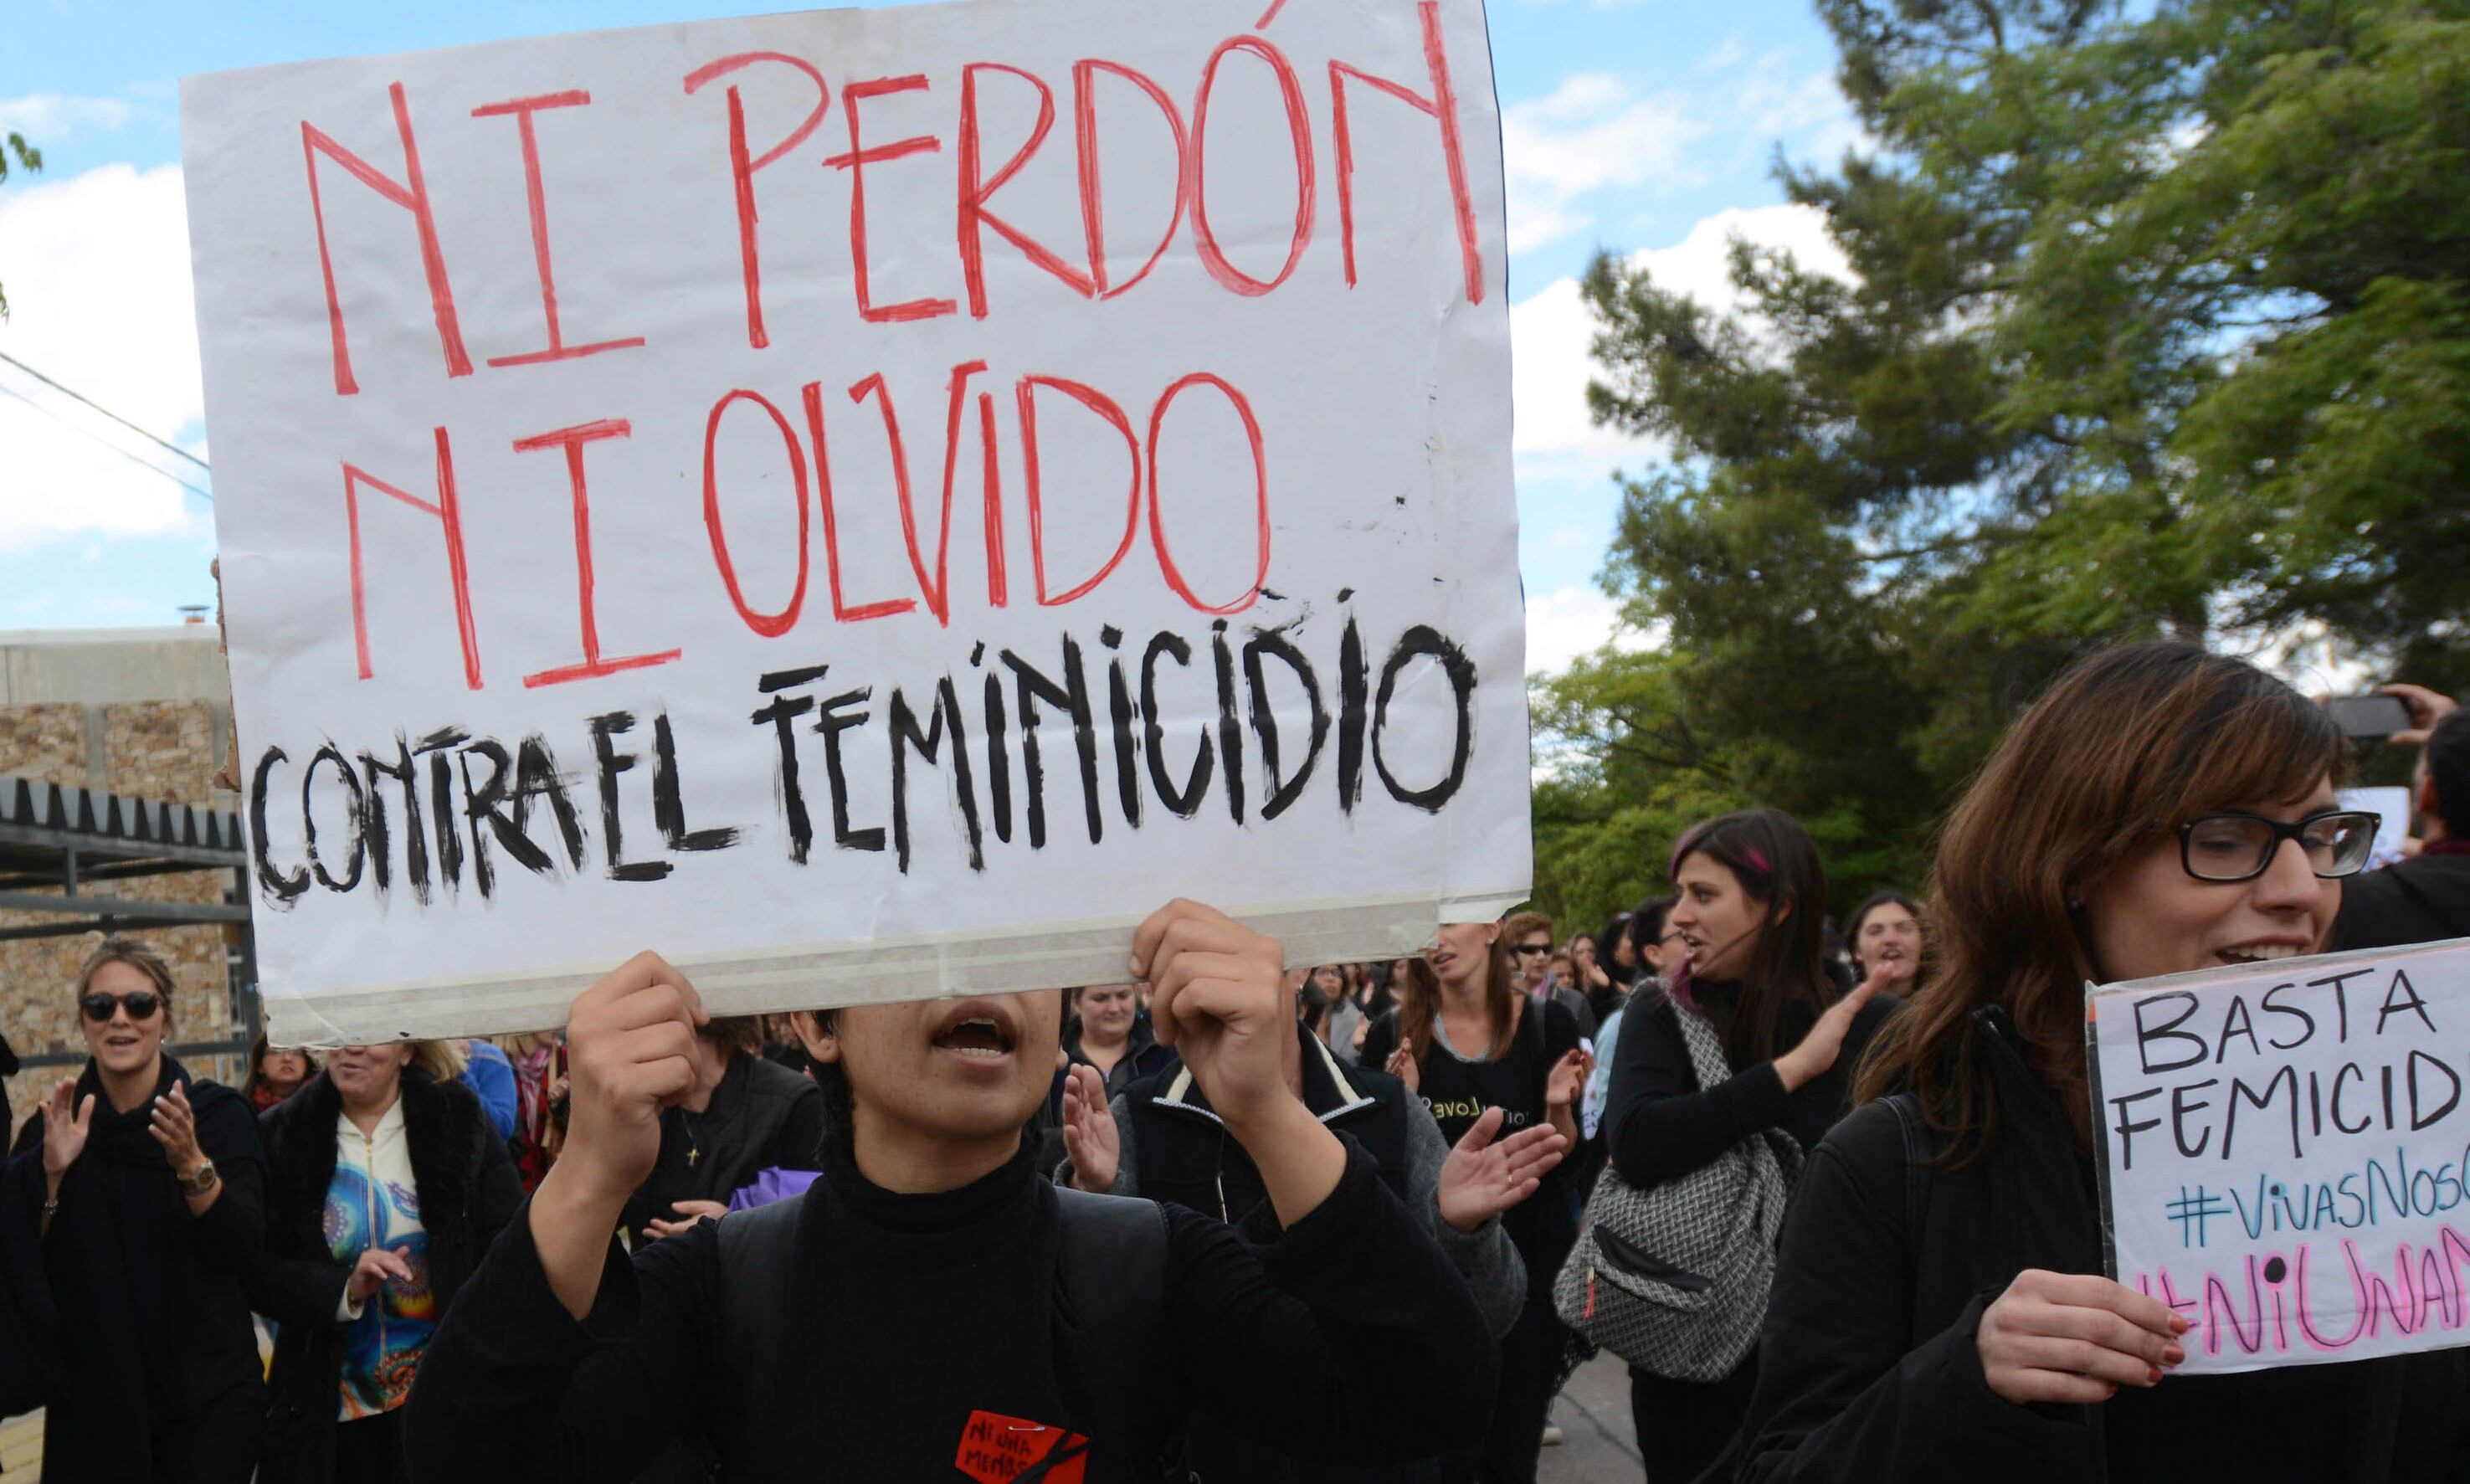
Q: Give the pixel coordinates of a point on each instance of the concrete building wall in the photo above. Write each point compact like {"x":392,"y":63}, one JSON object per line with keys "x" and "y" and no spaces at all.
{"x":139,"y":711}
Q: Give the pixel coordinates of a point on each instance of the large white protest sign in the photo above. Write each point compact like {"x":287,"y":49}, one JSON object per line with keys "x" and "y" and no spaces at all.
{"x":866,"y":504}
{"x":2285,"y":1149}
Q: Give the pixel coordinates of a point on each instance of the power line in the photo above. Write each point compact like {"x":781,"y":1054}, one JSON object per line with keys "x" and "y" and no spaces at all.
{"x":105,"y":411}
{"x":90,"y":433}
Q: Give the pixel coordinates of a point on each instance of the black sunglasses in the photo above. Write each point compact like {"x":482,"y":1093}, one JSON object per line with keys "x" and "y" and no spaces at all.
{"x":1530,"y":950}
{"x":2232,"y":846}
{"x":141,"y":1006}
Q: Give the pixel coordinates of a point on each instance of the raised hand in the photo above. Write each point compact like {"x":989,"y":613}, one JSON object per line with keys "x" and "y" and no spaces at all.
{"x":1818,"y":1050}
{"x":1219,"y":998}
{"x":630,"y":1043}
{"x":376,"y":1268}
{"x":64,"y":1130}
{"x":1567,"y":1079}
{"x":1402,"y":1065}
{"x":1482,"y":1178}
{"x":2426,"y":706}
{"x":1090,"y":1134}
{"x":2070,"y":1337}
{"x":174,"y":1126}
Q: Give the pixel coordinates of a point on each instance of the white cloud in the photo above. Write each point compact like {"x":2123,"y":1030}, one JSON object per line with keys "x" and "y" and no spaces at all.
{"x":1731,"y":53}
{"x":1551,"y":333}
{"x":1770,"y":101}
{"x":1567,"y":622}
{"x":1590,"y":134}
{"x":1595,"y":137}
{"x":97,"y":272}
{"x":45,"y":118}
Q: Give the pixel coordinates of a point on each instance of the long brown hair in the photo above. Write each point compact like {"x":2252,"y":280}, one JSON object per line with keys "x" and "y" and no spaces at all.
{"x":1419,"y":1003}
{"x":2125,"y":746}
{"x":1772,"y":857}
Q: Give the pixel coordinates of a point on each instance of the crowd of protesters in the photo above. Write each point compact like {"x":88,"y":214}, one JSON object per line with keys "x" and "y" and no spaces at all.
{"x":1362,"y":1191}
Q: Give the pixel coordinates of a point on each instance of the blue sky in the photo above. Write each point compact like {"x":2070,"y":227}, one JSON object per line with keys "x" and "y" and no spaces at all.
{"x":1642,"y":125}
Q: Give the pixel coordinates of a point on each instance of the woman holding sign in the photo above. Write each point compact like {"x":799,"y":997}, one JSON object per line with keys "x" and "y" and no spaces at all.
{"x":1938,"y":1310}
{"x":152,"y":1215}
{"x":933,"y":1304}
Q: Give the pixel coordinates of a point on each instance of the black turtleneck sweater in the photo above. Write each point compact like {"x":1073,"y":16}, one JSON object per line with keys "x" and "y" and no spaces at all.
{"x":1347,"y":1336}
{"x":1658,"y":1122}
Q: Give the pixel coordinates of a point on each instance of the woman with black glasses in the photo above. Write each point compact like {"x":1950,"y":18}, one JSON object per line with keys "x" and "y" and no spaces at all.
{"x":146,"y":1232}
{"x":2159,"y":810}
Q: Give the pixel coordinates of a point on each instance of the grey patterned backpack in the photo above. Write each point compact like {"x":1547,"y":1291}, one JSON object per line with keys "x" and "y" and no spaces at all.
{"x":1675,"y":1279}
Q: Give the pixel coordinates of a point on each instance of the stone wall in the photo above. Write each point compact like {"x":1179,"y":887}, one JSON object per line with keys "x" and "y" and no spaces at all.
{"x":154,"y":750}
{"x":44,"y":742}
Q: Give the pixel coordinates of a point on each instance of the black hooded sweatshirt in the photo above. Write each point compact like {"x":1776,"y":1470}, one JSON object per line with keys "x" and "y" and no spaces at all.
{"x":151,"y":1321}
{"x":923,"y":1324}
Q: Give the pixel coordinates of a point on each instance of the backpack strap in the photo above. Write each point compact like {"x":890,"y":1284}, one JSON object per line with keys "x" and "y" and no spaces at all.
{"x":1919,"y":1149}
{"x":1110,"y":1264}
{"x":756,"y":1250}
{"x":1706,"y":1049}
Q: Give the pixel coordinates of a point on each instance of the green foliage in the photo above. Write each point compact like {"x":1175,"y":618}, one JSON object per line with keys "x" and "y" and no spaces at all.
{"x":29,"y":161}
{"x":2158,"y":323}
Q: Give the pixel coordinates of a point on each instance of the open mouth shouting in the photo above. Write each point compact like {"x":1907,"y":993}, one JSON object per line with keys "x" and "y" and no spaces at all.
{"x":977,"y":1032}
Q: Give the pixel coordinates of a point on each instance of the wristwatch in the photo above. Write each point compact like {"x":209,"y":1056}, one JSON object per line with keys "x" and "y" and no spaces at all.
{"x":202,"y":1181}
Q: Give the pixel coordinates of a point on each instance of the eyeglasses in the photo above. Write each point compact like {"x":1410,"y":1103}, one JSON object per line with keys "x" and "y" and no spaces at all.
{"x":2231,"y":847}
{"x":1532,"y":950}
{"x":141,"y":1006}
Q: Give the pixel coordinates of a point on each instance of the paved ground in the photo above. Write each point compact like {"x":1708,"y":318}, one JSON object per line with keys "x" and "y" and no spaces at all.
{"x":1596,"y":1442}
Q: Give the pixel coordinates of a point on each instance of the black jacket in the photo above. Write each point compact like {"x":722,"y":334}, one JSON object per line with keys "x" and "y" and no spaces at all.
{"x":468,"y":1191}
{"x":2425,"y":899}
{"x":152,"y":1333}
{"x":762,"y":1116}
{"x":8,"y":1069}
{"x":25,"y":1298}
{"x":1868,"y":1370}
{"x":1186,"y":1155}
{"x":927,"y":1323}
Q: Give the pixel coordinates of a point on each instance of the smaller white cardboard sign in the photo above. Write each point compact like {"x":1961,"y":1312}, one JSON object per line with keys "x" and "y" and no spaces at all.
{"x":2284,"y":1150}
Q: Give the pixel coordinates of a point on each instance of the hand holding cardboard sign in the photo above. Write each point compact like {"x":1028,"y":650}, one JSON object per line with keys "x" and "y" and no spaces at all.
{"x":2070,"y":1337}
{"x":1219,"y":998}
{"x":631,"y":1047}
{"x":630,"y":1053}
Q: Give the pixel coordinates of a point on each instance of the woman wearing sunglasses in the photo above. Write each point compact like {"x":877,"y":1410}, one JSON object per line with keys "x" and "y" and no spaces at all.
{"x":2159,"y":810}
{"x":152,"y":1215}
